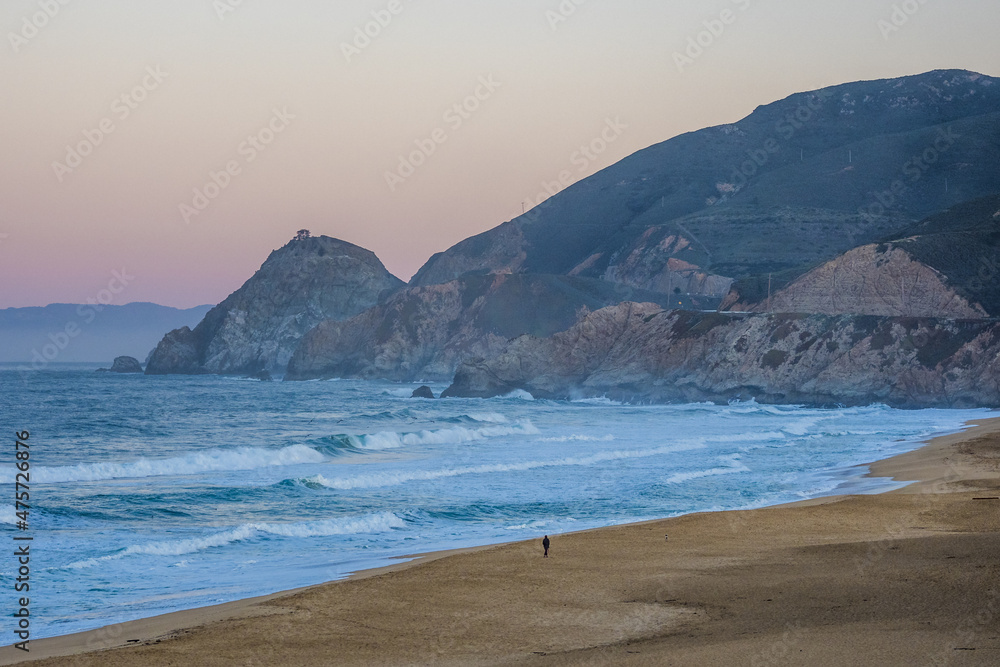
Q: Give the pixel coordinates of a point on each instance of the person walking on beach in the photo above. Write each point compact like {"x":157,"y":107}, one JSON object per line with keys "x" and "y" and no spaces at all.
{"x":545,"y":545}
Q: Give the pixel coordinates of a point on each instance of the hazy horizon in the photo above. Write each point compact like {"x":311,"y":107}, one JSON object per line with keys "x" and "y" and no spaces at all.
{"x":168,"y":97}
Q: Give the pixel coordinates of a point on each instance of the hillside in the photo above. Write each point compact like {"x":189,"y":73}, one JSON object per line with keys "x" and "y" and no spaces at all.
{"x":962,"y":244}
{"x":795,"y":184}
{"x":945,"y":266}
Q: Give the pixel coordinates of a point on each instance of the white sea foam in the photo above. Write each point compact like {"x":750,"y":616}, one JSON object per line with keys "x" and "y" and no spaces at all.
{"x":373,"y":523}
{"x":397,"y":478}
{"x":488,"y":417}
{"x":8,"y":516}
{"x":802,"y":426}
{"x":734,"y":467}
{"x":519,"y":395}
{"x":579,"y":438}
{"x":747,"y":437}
{"x":600,"y":400}
{"x":447,"y":436}
{"x":213,"y":460}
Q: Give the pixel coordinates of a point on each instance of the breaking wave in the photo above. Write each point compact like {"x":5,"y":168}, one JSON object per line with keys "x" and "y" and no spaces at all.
{"x":213,"y":460}
{"x":373,"y":523}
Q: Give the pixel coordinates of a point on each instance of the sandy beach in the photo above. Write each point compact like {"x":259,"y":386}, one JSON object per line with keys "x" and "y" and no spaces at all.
{"x":909,"y":577}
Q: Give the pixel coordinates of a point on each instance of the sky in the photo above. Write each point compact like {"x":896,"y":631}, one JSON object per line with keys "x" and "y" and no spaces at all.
{"x":159,"y":151}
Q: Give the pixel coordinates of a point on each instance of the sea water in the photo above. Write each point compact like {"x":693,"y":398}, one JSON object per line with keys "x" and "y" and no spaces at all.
{"x":155,"y":494}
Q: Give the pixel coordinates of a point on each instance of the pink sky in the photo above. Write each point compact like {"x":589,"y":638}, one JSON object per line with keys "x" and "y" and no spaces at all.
{"x":338,"y":122}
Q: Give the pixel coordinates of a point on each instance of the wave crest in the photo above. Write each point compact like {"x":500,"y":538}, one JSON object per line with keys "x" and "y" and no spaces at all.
{"x":213,"y":460}
{"x":372,"y":523}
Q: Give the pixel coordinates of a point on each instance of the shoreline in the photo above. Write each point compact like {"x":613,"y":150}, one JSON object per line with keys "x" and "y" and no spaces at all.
{"x":942,"y":465}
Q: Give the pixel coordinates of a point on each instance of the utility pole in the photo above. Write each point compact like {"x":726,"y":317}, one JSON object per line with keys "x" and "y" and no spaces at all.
{"x":769,"y":293}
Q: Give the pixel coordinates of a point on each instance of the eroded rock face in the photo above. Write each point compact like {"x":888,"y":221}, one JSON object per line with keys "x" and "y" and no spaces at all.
{"x":258,"y":327}
{"x":657,"y":262}
{"x":424,"y":333}
{"x":873,"y":280}
{"x":641,"y":352}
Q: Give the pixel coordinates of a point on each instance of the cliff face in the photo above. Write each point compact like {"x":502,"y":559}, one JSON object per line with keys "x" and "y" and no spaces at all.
{"x":947,"y":265}
{"x":640,"y":352}
{"x":258,"y":327}
{"x":662,"y":261}
{"x":423,"y":333}
{"x":873,"y":280}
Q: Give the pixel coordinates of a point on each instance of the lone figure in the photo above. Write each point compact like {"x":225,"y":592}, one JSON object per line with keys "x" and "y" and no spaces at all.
{"x":545,"y":545}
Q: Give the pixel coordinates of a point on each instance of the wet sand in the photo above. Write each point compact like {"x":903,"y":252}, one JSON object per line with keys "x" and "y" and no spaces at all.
{"x":910,"y":577}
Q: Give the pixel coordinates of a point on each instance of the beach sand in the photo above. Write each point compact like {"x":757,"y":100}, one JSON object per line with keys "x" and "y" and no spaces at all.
{"x":910,"y":577}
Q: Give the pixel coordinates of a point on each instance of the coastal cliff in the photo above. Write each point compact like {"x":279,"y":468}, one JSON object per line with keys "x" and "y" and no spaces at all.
{"x":424,"y":333}
{"x":258,"y":327}
{"x":873,"y":280}
{"x":797,"y":255}
{"x":640,"y":352}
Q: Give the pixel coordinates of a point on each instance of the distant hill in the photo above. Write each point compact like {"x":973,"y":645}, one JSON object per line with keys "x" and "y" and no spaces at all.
{"x":102,"y":332}
{"x":791,"y":186}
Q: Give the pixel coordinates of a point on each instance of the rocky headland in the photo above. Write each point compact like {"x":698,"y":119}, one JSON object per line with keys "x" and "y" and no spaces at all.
{"x":837,"y":246}
{"x":308,"y":281}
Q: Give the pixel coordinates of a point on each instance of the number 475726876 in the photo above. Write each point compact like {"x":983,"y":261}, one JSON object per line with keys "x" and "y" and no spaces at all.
{"x":21,"y":488}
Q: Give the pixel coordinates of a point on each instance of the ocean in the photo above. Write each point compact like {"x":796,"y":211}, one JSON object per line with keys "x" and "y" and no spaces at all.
{"x":155,"y":494}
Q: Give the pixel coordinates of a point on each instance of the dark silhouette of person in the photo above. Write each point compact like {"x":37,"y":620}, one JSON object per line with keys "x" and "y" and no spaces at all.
{"x":545,"y":545}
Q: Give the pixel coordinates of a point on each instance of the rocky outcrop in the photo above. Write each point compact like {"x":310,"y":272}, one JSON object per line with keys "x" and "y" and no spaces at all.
{"x":641,"y":352}
{"x":310,"y":280}
{"x":873,"y":280}
{"x":123,"y":365}
{"x":423,"y":392}
{"x":424,"y":333}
